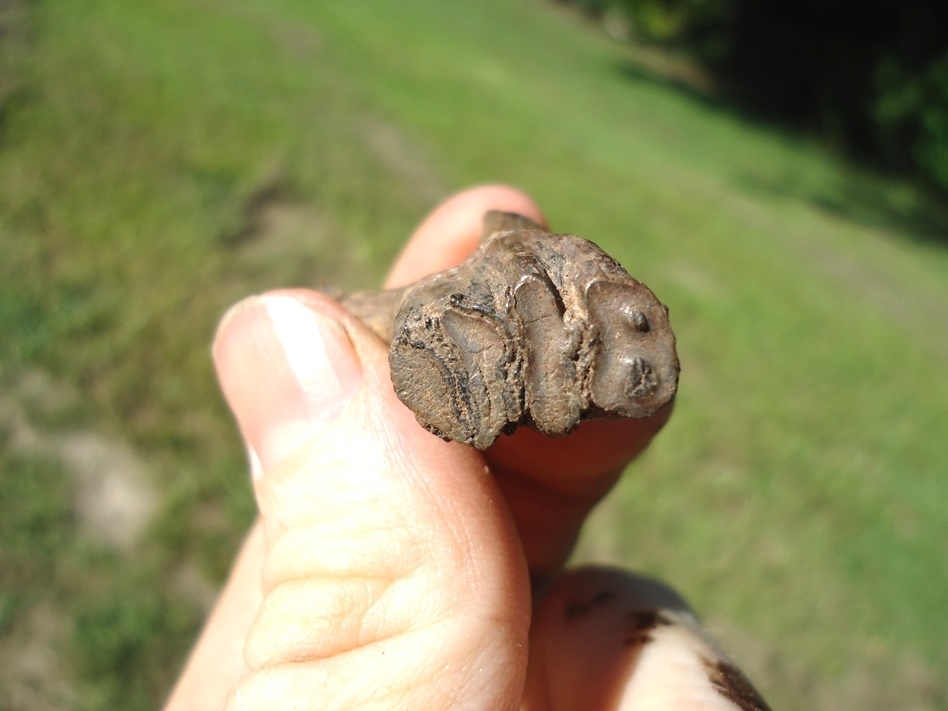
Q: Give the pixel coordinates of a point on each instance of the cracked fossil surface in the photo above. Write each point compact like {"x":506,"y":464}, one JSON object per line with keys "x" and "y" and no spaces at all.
{"x":534,"y":328}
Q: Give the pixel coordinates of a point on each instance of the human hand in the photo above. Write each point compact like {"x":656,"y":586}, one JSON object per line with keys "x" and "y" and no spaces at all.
{"x":389,"y":569}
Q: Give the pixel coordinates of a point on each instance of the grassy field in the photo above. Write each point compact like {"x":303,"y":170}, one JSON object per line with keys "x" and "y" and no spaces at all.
{"x":162,"y":158}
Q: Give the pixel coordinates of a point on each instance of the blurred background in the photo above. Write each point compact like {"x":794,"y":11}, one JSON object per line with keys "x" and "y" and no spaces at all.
{"x":777,"y":173}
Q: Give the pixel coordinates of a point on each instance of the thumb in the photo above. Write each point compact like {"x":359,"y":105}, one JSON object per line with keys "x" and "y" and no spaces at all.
{"x":285,"y":369}
{"x":393,"y":573}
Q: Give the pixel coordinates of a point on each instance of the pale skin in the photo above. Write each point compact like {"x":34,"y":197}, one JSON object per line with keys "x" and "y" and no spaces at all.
{"x":391,"y":570}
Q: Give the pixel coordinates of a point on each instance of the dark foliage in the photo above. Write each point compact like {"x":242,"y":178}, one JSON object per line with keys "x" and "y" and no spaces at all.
{"x":871,"y":76}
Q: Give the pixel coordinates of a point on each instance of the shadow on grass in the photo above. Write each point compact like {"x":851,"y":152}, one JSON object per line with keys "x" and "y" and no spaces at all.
{"x":679,"y":75}
{"x":862,"y":194}
{"x":912,"y":211}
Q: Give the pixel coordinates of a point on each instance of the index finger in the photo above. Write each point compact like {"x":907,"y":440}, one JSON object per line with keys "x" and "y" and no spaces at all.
{"x":451,"y":231}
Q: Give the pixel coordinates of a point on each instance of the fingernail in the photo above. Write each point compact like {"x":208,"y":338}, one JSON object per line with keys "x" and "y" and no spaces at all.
{"x":285,"y":370}
{"x":253,"y":461}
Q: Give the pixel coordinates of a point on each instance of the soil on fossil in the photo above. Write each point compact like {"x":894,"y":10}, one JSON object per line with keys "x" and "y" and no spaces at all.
{"x":536,"y":329}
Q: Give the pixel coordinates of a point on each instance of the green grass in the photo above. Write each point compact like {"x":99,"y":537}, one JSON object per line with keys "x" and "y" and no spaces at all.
{"x":160,"y":159}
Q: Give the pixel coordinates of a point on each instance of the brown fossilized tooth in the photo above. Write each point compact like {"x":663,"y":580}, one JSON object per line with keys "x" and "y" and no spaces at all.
{"x":534,"y":328}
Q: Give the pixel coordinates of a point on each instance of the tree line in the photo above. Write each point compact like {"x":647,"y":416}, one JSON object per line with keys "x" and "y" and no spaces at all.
{"x":869,"y":76}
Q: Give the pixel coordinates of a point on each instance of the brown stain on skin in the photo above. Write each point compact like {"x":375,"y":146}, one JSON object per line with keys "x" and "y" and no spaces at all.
{"x":731,"y":683}
{"x":575,"y":610}
{"x":647,"y":619}
{"x":641,"y":622}
{"x":637,"y":639}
